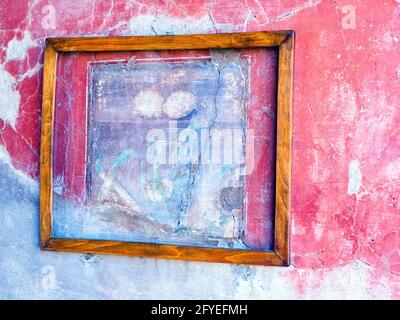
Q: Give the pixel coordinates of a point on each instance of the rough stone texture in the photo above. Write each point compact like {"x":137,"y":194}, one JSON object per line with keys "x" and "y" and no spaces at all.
{"x":345,"y":204}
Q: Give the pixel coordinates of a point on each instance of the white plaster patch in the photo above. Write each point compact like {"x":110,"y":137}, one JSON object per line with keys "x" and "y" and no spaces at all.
{"x":142,"y":25}
{"x":162,"y":25}
{"x":9,"y":98}
{"x":355,"y":177}
{"x":17,"y":49}
{"x":318,"y":230}
{"x":166,"y":25}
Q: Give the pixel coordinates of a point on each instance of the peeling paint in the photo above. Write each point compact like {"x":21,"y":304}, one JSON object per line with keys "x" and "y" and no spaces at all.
{"x":163,"y":25}
{"x":355,"y":177}
{"x":9,"y":98}
{"x":17,"y":49}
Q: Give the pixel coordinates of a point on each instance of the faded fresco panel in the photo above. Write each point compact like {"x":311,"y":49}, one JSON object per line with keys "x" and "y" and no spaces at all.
{"x":165,"y":156}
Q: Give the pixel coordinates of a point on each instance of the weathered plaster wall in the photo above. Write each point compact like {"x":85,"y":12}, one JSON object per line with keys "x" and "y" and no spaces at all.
{"x":346,"y":173}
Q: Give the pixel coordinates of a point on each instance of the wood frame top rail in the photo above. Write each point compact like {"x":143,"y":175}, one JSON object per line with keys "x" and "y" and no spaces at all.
{"x":169,"y":42}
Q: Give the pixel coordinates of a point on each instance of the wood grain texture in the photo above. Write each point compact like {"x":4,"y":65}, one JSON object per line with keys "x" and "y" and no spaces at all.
{"x":284,"y":148}
{"x":46,"y":187}
{"x":179,"y":42}
{"x":166,"y":251}
{"x":282,"y":39}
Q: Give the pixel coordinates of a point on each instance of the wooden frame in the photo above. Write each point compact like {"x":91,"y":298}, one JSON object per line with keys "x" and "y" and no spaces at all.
{"x":284,"y":40}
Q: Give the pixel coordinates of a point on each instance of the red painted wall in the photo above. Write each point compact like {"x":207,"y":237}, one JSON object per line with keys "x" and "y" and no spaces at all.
{"x":346,"y":135}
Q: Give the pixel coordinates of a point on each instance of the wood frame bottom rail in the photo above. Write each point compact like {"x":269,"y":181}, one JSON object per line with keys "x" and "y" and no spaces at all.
{"x":283,"y":40}
{"x":164,"y":251}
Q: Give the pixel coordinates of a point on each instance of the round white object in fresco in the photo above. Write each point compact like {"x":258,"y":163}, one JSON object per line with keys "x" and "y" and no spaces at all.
{"x":147,"y":103}
{"x":159,"y":191}
{"x":179,"y":104}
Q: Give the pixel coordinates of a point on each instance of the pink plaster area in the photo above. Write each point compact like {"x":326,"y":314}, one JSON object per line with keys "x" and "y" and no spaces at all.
{"x":346,"y":133}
